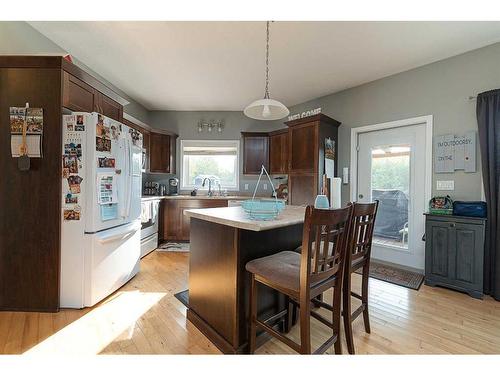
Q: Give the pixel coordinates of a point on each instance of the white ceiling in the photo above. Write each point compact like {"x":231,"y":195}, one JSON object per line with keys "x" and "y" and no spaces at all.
{"x":220,"y":65}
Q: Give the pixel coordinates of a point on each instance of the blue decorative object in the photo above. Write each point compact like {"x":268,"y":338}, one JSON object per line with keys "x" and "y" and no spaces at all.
{"x":321,"y":202}
{"x":263,"y":209}
{"x":471,"y":209}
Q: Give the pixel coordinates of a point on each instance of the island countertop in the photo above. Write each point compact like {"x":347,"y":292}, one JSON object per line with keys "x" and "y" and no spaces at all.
{"x":237,"y":218}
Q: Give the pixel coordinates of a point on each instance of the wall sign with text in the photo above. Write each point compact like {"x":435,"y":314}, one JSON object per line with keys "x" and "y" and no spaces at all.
{"x":453,"y":152}
{"x":307,"y":113}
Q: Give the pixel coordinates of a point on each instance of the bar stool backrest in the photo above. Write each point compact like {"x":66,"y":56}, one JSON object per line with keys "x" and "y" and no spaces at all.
{"x":363,"y":217}
{"x":324,"y":245}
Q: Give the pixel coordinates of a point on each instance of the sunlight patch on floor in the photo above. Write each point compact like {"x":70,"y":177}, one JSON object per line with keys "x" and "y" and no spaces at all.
{"x":94,"y":331}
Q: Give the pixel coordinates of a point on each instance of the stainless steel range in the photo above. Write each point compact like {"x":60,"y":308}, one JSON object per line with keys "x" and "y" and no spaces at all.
{"x":149,"y":225}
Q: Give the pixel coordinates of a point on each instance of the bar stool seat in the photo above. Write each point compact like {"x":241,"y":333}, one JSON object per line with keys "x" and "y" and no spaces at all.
{"x":282,"y":270}
{"x":302,"y":277}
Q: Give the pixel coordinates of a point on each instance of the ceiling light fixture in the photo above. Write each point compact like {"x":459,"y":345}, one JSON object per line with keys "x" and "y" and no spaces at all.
{"x":267,"y":108}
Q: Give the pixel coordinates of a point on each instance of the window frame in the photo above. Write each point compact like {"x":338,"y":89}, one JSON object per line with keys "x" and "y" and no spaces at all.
{"x":211,"y":143}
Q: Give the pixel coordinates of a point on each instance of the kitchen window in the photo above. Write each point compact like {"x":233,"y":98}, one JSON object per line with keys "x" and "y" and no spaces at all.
{"x":215,"y":160}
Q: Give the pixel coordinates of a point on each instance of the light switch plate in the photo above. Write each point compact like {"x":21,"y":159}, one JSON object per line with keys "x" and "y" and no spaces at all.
{"x":445,"y":185}
{"x":246,"y":186}
{"x":345,"y":175}
{"x":265,"y":186}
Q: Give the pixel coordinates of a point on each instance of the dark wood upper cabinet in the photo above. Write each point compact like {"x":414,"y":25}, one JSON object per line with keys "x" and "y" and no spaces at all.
{"x":81,"y":97}
{"x":77,"y":95}
{"x":162,"y":153}
{"x":278,"y":152}
{"x":303,"y":142}
{"x":306,"y":156}
{"x":255,"y":152}
{"x":108,"y":107}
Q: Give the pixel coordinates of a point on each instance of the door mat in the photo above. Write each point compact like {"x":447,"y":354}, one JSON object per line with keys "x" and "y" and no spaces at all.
{"x":394,"y":275}
{"x":174,"y":246}
{"x":183,"y":297}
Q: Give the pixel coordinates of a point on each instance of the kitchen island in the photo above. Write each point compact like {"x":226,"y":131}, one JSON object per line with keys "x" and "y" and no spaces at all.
{"x":223,"y":240}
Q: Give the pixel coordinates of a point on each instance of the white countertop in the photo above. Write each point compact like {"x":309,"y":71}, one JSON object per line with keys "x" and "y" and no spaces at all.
{"x":229,"y":197}
{"x":236,"y":217}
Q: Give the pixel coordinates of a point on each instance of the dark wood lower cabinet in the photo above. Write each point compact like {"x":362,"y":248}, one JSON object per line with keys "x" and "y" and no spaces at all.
{"x":219,"y":285}
{"x":176,"y":225}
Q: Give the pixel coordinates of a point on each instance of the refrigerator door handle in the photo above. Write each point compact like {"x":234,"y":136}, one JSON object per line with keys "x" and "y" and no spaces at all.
{"x":118,"y":236}
{"x":129,"y":177}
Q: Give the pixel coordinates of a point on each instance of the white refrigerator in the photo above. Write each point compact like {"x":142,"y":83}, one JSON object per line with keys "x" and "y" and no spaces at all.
{"x":101,"y":207}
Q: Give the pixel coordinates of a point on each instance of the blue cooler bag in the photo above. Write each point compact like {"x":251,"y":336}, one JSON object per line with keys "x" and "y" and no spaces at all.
{"x":474,"y":209}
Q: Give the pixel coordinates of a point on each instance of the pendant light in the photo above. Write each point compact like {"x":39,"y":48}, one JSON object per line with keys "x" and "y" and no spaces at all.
{"x":267,"y":108}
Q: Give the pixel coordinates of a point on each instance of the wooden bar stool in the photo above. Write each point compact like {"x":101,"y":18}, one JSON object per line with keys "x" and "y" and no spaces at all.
{"x":302,"y":277}
{"x":358,"y":255}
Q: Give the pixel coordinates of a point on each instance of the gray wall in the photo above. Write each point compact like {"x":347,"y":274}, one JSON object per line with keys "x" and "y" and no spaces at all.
{"x":19,"y":38}
{"x":440,"y":89}
{"x":184,"y":123}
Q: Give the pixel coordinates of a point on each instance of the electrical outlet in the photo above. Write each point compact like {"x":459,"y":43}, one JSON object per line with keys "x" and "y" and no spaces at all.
{"x":265,"y":186}
{"x":246,"y":186}
{"x":445,"y":185}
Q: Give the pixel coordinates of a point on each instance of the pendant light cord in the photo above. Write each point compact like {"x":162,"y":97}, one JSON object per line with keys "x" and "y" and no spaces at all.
{"x":266,"y":94}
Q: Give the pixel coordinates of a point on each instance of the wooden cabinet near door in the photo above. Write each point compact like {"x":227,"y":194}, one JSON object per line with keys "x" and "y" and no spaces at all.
{"x":162,"y":152}
{"x":175,"y":224}
{"x":255,"y":152}
{"x":278,"y":152}
{"x":454,"y":252}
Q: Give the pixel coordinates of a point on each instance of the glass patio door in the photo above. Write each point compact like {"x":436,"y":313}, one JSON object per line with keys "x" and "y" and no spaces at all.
{"x":391,"y":169}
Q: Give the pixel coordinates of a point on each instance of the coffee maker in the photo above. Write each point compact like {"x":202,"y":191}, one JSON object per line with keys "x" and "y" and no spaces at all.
{"x":173,"y":186}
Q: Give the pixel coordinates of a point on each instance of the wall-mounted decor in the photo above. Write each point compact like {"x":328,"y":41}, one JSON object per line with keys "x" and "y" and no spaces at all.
{"x":308,"y":113}
{"x":453,"y":152}
{"x":26,"y":129}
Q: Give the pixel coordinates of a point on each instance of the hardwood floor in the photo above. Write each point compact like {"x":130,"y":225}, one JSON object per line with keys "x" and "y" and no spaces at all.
{"x":144,"y":317}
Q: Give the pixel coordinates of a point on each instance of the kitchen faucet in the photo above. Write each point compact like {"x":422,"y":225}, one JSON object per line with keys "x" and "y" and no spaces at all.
{"x":210,"y":192}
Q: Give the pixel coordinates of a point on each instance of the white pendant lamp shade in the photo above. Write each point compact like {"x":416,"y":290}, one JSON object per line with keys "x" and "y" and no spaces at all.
{"x":266,"y":109}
